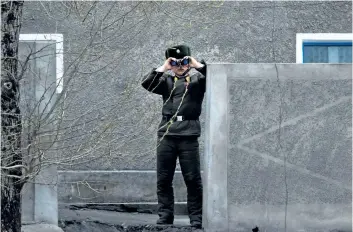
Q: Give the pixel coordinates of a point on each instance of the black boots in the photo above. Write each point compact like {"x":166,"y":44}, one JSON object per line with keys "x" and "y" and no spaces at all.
{"x":162,"y":221}
{"x":187,"y":150}
{"x":196,"y":224}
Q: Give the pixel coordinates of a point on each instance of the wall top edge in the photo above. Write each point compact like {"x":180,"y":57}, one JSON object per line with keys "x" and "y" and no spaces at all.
{"x":283,"y":71}
{"x":296,"y":64}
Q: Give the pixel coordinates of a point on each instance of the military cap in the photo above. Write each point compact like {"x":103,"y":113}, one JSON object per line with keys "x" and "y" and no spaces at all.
{"x":178,"y":52}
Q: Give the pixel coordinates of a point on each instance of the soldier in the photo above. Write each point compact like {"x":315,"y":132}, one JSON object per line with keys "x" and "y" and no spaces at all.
{"x":179,"y":130}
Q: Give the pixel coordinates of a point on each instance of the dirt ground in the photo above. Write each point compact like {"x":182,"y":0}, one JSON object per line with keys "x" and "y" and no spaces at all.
{"x":88,"y":220}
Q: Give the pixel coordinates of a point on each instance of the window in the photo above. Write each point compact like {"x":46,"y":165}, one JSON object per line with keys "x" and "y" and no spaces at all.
{"x":47,"y":55}
{"x":324,"y":48}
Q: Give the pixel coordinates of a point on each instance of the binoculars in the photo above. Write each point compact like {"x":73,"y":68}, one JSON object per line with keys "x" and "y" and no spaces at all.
{"x":184,"y":61}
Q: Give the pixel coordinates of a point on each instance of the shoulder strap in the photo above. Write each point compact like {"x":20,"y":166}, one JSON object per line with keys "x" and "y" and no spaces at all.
{"x":193,"y":78}
{"x":170,"y":83}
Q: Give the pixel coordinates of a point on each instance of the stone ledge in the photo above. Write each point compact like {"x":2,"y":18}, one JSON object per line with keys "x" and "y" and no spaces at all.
{"x":180,"y":208}
{"x":113,"y":187}
{"x":41,"y":228}
{"x":286,"y":71}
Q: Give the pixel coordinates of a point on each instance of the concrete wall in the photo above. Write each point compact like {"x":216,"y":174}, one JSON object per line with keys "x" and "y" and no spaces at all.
{"x":279,"y":151}
{"x":121,"y":187}
{"x":235,"y":32}
{"x":39,"y":195}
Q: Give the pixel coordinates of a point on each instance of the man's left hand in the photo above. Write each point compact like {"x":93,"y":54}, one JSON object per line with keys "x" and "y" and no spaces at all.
{"x":194,"y":63}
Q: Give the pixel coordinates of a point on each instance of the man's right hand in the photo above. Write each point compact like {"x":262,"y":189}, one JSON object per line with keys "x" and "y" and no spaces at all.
{"x":166,"y":66}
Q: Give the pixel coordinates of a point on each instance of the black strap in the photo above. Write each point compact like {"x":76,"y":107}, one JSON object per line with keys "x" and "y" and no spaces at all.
{"x":169,"y":84}
{"x":180,"y":117}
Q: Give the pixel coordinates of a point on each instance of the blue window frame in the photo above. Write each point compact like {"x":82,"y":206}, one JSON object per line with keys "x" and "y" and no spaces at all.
{"x":327,"y":52}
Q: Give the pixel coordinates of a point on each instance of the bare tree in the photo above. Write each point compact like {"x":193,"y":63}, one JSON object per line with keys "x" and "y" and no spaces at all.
{"x":11,"y":156}
{"x":44,"y":127}
{"x":36,"y":126}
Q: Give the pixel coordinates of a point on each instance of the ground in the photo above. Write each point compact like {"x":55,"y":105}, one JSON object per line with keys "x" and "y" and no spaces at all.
{"x":92,"y":220}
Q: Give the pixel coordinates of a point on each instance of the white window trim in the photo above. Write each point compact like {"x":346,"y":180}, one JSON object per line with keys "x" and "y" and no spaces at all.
{"x":318,"y":37}
{"x":59,"y":40}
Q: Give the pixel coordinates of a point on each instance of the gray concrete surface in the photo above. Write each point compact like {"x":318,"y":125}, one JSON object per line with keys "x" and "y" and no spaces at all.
{"x":289,"y":162}
{"x":46,"y":196}
{"x":27,"y":203}
{"x":39,"y":196}
{"x":215,"y":203}
{"x":41,"y":228}
{"x":114,"y":187}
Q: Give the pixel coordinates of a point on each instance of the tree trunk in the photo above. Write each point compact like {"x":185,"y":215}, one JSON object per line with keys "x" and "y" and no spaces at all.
{"x":11,"y":128}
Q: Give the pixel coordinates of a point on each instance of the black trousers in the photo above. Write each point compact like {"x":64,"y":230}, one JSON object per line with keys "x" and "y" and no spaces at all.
{"x":187,"y":150}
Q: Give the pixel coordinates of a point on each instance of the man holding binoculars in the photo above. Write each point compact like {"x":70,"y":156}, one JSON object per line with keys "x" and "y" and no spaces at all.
{"x":179,"y":130}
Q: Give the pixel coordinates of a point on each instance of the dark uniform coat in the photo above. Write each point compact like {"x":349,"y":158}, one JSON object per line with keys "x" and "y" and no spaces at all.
{"x":190,"y":109}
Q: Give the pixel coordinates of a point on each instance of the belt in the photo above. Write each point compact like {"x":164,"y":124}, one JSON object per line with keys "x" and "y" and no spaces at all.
{"x":179,"y":118}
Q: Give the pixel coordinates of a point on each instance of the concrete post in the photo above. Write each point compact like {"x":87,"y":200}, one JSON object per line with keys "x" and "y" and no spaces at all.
{"x":39,"y":196}
{"x":215,"y":206}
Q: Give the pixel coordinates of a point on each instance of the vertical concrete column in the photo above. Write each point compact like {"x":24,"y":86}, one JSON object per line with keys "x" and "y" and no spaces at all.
{"x":27,"y":203}
{"x":39,"y":197}
{"x":215,"y":205}
{"x":46,"y":196}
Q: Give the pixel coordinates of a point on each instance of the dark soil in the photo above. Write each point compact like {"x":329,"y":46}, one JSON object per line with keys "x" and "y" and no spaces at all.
{"x":96,"y":226}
